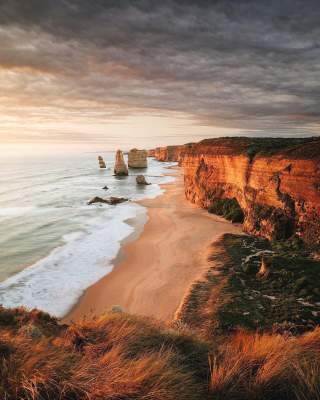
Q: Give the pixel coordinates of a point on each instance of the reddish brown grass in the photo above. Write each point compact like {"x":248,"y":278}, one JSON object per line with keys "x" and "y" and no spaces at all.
{"x":122,"y":357}
{"x":266,"y":366}
{"x":113,"y":357}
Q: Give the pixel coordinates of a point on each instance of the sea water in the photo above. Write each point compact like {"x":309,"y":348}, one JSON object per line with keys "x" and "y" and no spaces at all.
{"x":52,"y":244}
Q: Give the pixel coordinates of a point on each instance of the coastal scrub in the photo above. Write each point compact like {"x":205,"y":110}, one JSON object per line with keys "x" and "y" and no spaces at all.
{"x":120,"y":356}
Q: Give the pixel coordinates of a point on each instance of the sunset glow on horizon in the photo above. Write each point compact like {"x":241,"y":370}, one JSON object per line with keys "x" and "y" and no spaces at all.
{"x":110,"y":74}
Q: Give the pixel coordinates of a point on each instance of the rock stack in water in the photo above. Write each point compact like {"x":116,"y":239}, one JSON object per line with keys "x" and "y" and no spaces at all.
{"x":137,"y":158}
{"x":102,"y":164}
{"x":120,"y":167}
{"x":141,"y":180}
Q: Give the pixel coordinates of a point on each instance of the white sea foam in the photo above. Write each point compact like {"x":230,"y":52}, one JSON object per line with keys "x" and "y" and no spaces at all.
{"x":55,"y":283}
{"x":15,"y":211}
{"x":153,"y":191}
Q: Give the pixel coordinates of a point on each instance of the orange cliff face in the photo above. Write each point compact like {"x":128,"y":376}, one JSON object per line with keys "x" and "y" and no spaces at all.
{"x":275,"y":181}
{"x":167,"y":153}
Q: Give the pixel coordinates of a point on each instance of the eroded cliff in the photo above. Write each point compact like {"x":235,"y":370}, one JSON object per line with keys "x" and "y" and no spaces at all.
{"x":168,"y":153}
{"x":275,"y":181}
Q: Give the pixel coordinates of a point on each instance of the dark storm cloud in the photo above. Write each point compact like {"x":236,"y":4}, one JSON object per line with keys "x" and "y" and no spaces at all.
{"x":247,"y":64}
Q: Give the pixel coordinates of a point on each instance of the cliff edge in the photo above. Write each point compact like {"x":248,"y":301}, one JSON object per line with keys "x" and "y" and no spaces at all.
{"x":276,"y":182}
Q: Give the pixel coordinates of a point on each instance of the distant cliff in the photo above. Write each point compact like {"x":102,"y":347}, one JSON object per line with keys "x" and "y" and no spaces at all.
{"x":167,"y":153}
{"x":151,"y":152}
{"x":275,"y":181}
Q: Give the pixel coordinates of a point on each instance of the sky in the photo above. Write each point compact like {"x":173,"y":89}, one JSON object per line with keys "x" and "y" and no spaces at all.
{"x":109,"y":74}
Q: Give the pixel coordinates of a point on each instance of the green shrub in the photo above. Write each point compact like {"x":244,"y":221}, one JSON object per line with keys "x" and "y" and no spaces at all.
{"x":227,"y":208}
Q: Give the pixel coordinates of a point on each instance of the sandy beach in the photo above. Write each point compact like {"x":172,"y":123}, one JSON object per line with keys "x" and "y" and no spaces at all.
{"x":156,"y":267}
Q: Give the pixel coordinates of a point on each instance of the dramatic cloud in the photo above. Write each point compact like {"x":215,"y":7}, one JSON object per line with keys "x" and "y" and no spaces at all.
{"x":250,"y":65}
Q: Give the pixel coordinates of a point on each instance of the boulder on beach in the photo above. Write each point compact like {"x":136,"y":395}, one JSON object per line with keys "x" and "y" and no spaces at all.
{"x":120,"y":167}
{"x":141,"y":180}
{"x":102,"y":164}
{"x":107,"y":200}
{"x":137,"y":158}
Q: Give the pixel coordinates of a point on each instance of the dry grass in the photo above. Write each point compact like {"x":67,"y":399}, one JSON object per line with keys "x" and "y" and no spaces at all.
{"x":122,"y":357}
{"x":114,"y":357}
{"x":266,"y":366}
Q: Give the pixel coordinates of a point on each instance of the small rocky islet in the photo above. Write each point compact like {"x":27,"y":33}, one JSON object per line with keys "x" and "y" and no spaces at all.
{"x":136,"y":159}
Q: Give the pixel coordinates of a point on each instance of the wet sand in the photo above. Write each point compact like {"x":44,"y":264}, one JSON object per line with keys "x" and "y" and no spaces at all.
{"x":157,"y":265}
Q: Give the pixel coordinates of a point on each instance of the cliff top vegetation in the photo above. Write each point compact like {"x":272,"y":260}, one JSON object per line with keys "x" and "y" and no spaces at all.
{"x":119,"y":356}
{"x":304,"y":148}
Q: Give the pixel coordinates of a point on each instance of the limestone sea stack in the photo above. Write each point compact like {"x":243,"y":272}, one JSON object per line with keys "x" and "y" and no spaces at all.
{"x":137,"y":158}
{"x":120,"y":167}
{"x":102,"y":164}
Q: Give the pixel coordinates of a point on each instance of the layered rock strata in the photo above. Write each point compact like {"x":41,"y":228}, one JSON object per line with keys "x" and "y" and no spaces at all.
{"x":137,"y":158}
{"x":169,"y":153}
{"x":275,"y":181}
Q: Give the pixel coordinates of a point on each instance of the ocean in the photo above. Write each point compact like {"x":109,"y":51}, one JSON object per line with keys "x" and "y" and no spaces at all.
{"x":52,"y":244}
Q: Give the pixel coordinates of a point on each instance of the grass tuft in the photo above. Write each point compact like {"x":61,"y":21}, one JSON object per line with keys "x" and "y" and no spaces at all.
{"x":266,"y":366}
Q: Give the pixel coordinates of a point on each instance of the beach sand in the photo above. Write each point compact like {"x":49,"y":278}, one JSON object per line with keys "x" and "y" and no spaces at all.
{"x":156,"y":267}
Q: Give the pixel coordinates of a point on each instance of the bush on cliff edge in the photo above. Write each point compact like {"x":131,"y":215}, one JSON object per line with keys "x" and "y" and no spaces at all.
{"x":228,"y":209}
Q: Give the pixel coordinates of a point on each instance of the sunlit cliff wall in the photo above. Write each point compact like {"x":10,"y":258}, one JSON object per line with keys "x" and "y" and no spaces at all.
{"x":169,"y":153}
{"x":275,"y":181}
